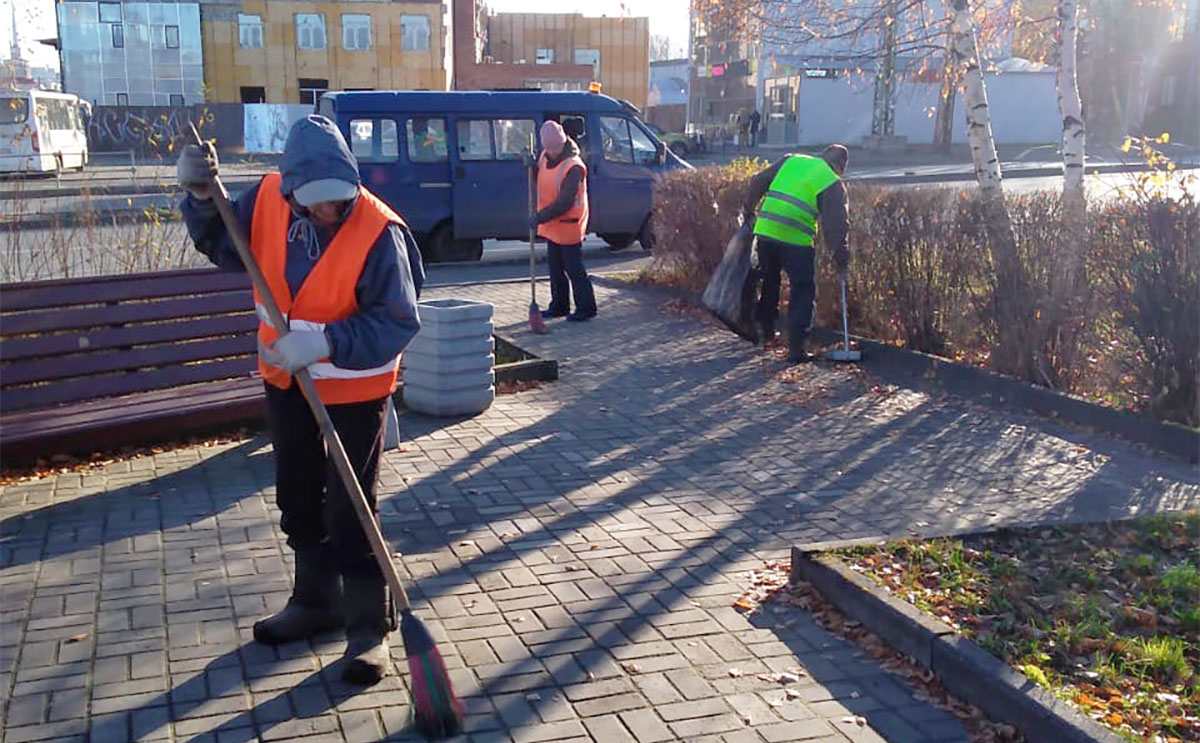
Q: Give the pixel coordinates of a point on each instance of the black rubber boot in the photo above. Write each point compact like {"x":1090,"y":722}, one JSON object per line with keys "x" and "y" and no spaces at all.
{"x":369,"y":620}
{"x":797,"y":353}
{"x":314,"y":606}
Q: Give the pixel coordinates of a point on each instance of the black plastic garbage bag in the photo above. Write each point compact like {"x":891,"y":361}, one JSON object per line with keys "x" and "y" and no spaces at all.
{"x":730,"y":294}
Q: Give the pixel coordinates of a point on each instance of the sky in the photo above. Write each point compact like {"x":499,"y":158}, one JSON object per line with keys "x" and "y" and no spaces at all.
{"x":35,"y":20}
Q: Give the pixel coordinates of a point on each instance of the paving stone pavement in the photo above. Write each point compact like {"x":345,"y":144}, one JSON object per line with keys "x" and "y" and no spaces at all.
{"x":604,"y":520}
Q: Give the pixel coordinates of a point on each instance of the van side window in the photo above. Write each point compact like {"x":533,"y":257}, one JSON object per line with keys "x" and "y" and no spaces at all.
{"x":644,"y":151}
{"x":474,"y":140}
{"x":512,"y":136}
{"x":427,"y":140}
{"x":374,"y":140}
{"x":614,"y":133}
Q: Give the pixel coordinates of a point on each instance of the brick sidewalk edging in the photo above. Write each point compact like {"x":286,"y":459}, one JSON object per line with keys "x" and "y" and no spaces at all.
{"x":968,"y":670}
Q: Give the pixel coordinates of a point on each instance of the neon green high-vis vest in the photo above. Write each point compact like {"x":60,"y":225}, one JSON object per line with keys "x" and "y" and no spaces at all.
{"x":789,"y":209}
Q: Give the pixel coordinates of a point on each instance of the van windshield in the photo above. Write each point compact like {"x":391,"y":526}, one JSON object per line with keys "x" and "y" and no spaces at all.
{"x":14,"y":110}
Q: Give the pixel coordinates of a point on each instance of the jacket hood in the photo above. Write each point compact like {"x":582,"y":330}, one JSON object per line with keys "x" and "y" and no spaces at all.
{"x":315,"y":150}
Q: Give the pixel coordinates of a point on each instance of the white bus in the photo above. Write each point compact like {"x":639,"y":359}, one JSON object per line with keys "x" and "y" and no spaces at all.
{"x":41,"y":132}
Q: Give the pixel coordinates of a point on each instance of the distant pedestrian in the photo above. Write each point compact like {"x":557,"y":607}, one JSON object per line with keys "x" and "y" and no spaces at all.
{"x":562,"y":220}
{"x":755,"y":121}
{"x":794,"y":192}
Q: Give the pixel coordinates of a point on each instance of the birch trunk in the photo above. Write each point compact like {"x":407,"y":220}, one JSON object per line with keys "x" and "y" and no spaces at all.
{"x":1011,"y":296}
{"x":1073,"y":135}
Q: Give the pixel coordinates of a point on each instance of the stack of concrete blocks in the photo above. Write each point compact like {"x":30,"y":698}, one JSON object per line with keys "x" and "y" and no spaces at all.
{"x":448,"y":366}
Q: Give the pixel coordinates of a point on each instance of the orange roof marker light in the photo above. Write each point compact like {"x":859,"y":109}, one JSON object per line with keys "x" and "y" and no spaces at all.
{"x":594,"y":86}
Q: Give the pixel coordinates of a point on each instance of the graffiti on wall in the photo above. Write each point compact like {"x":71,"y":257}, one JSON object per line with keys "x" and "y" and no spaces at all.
{"x":265,"y":126}
{"x":145,"y":130}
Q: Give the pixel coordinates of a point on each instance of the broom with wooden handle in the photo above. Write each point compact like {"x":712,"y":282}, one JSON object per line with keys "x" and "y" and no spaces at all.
{"x":437,"y":710}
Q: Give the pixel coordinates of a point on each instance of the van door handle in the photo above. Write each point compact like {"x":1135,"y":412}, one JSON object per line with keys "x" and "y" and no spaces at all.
{"x":460,"y":172}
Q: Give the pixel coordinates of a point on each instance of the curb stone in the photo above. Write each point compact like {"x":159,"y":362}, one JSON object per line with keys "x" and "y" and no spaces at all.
{"x":968,"y":671}
{"x":1168,"y":438}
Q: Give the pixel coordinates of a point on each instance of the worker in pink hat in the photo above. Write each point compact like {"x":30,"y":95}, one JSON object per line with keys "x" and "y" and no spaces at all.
{"x":562,"y":221}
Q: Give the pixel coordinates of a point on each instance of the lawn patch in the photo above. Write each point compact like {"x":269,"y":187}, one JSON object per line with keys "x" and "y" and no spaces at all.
{"x":1104,"y":616}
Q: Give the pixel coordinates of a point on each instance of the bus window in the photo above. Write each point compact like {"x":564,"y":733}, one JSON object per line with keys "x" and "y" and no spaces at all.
{"x":427,"y":140}
{"x":512,"y":137}
{"x":14,"y":110}
{"x":474,"y":140}
{"x":374,"y":140}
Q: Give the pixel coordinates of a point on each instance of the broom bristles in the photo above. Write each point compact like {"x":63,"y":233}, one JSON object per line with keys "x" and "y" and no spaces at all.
{"x":536,"y":323}
{"x":437,"y":710}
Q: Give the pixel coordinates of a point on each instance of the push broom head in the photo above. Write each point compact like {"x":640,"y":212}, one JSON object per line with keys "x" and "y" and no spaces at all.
{"x":843,"y":354}
{"x":437,"y":711}
{"x":536,"y":324}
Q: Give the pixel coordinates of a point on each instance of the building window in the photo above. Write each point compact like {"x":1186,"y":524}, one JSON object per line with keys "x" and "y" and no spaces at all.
{"x":310,"y":31}
{"x":176,"y":99}
{"x":416,"y":33}
{"x":110,"y":12}
{"x":118,"y":36}
{"x":590,"y":57}
{"x":254,"y":94}
{"x":122,"y":99}
{"x":311,"y":90}
{"x":171,"y":36}
{"x":356,"y":32}
{"x":474,"y":140}
{"x":545,"y":56}
{"x":250,"y":34}
{"x":427,"y":141}
{"x":512,"y":136}
{"x":374,"y":140}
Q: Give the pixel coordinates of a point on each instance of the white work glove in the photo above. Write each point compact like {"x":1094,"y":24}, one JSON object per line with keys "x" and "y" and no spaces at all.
{"x":196,"y":168}
{"x":297,"y":350}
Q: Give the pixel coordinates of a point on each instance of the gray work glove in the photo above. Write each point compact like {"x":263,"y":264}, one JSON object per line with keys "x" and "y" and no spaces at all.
{"x":841,"y":259}
{"x":196,"y":168}
{"x":297,"y":350}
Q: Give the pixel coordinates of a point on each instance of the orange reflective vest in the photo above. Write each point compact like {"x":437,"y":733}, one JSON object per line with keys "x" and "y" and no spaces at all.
{"x":327,"y":294}
{"x":570,"y":227}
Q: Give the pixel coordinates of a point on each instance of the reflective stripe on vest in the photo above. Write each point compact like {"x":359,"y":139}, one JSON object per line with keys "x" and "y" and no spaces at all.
{"x":570,"y":227}
{"x":327,"y":294}
{"x":789,"y":209}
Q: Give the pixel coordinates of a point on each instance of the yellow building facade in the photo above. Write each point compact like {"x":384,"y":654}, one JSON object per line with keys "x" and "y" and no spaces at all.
{"x":289,"y":52}
{"x":619,"y":48}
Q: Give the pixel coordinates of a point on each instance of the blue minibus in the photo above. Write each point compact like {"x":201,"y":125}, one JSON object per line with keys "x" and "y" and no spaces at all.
{"x":450,"y":162}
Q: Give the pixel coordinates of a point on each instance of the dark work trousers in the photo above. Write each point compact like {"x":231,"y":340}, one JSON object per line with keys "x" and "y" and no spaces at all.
{"x":568,"y":275}
{"x":799,"y":262}
{"x":316,"y":510}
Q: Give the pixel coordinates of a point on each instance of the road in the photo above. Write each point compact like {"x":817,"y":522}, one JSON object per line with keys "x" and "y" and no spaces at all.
{"x":45,"y":252}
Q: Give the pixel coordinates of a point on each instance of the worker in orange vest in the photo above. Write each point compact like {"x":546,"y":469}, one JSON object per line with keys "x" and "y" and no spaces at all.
{"x":562,"y":220}
{"x":345,"y":270}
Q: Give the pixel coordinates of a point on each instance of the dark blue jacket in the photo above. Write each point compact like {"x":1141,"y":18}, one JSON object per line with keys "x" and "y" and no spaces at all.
{"x":390,"y":283}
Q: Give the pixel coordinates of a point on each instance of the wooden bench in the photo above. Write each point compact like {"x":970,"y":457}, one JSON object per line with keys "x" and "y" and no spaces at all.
{"x":97,"y":363}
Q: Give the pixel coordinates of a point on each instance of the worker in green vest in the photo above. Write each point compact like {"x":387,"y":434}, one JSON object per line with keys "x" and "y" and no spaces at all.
{"x":794,"y":193}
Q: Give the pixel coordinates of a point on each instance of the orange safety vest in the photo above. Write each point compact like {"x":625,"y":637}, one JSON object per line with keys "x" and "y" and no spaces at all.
{"x":568,"y":228}
{"x":327,"y":294}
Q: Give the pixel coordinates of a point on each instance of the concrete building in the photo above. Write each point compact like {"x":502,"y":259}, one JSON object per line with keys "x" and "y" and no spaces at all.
{"x":291,"y":51}
{"x":550,"y":51}
{"x":724,"y":81}
{"x":132,"y":53}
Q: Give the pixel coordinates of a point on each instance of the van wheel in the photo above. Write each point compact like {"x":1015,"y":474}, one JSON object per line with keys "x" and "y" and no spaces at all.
{"x":617,"y":241}
{"x":444,"y":248}
{"x":646,"y":235}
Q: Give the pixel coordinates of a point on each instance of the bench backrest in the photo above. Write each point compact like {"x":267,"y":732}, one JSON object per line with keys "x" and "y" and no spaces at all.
{"x":68,"y":340}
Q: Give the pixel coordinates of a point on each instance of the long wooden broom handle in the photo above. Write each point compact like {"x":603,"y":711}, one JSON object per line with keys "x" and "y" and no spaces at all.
{"x":332,"y":441}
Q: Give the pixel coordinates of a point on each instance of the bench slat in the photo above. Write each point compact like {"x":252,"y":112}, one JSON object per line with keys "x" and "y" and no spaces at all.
{"x":134,"y":312}
{"x":49,"y":370}
{"x":19,"y":349}
{"x":94,"y":290}
{"x":96,"y":387}
{"x":27,"y":423}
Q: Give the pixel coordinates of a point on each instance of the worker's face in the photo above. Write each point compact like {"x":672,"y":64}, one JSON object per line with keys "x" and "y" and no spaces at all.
{"x":554,"y":150}
{"x":327,"y":213}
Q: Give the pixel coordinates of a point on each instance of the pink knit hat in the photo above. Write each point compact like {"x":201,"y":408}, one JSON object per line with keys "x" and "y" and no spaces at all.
{"x":553,"y":138}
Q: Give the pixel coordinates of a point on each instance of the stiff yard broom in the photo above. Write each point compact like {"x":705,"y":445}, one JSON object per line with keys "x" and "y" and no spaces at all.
{"x":845,"y":353}
{"x":437,"y":710}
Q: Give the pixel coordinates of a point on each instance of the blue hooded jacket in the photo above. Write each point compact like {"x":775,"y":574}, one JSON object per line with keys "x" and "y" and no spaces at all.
{"x":390,"y":283}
